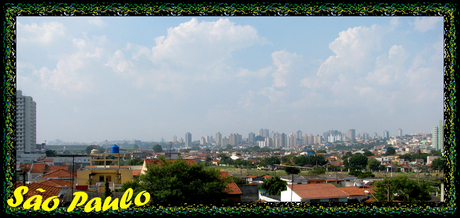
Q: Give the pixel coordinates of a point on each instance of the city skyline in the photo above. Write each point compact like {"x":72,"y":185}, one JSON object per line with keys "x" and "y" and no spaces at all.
{"x":229,"y":75}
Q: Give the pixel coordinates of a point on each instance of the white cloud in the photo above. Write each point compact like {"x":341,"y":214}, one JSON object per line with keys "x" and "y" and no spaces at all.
{"x":41,"y":35}
{"x":96,"y":21}
{"x":426,"y":23}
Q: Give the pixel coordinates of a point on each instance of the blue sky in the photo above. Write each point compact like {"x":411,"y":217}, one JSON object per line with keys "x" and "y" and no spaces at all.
{"x":147,"y":78}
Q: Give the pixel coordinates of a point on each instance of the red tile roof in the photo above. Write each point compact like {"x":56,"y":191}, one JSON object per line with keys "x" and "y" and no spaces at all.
{"x":60,"y":173}
{"x":353,"y":190}
{"x":38,"y":168}
{"x":231,"y":188}
{"x":55,"y":183}
{"x":49,"y":191}
{"x":55,"y":167}
{"x":25,"y":166}
{"x":318,"y":191}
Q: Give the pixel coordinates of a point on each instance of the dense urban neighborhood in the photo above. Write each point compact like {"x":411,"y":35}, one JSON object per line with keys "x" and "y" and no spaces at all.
{"x":323,"y":172}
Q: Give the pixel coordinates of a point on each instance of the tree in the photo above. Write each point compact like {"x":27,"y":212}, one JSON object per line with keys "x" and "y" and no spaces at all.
{"x":310,"y":160}
{"x":367,"y":153}
{"x":373,"y":164}
{"x":228,"y":147}
{"x":269,"y":161}
{"x":50,"y":153}
{"x":390,"y":151}
{"x":317,"y":171}
{"x":402,"y":188}
{"x":438,"y":164}
{"x":357,"y":162}
{"x":157,"y":148}
{"x":178,"y":182}
{"x":136,"y":161}
{"x":291,"y":170}
{"x":321,"y":151}
{"x":274,"y":185}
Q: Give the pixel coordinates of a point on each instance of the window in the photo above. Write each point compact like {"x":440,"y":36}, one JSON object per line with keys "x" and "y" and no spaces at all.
{"x":101,"y":178}
{"x":314,"y":201}
{"x":109,"y":178}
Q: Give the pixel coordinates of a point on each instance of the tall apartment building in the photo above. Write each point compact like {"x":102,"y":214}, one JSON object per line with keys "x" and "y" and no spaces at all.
{"x":251,"y":136}
{"x":352,"y":134}
{"x":400,"y":132}
{"x":292,"y":140}
{"x":434,"y":137}
{"x":188,"y":140}
{"x":299,"y":135}
{"x":26,"y":124}
{"x":218,"y":138}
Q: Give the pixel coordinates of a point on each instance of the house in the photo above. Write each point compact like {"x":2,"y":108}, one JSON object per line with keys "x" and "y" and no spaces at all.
{"x":359,"y":194}
{"x":313,"y":193}
{"x":298,"y":179}
{"x":45,"y":191}
{"x":232,"y":189}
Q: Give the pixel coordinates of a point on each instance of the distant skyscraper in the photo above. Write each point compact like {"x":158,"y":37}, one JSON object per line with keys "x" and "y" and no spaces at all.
{"x":365,"y":136}
{"x":299,"y":135}
{"x":251,"y":136}
{"x":305,"y":139}
{"x":434,"y":137}
{"x":292,"y":140}
{"x":386,"y":134}
{"x":26,"y":124}
{"x":351,"y":134}
{"x":400,"y":132}
{"x":174,"y":138}
{"x":233,"y":139}
{"x":202,"y":141}
{"x":283,"y":140}
{"x":218,"y":139}
{"x":224,"y":142}
{"x":188,"y":140}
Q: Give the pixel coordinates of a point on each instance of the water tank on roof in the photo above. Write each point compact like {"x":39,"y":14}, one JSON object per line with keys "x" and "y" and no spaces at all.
{"x":94,"y":151}
{"x":114,"y":149}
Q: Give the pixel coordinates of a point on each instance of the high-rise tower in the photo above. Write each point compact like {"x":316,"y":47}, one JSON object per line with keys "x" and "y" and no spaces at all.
{"x":188,"y":140}
{"x":26,"y":124}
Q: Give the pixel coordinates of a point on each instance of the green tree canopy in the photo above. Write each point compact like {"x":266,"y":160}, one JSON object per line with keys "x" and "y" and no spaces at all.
{"x":390,"y":151}
{"x":321,"y":151}
{"x":50,"y":153}
{"x":373,"y":164}
{"x":269,"y":161}
{"x":357,"y":162}
{"x":274,"y":185}
{"x":157,"y":148}
{"x":402,"y":188}
{"x":291,"y":170}
{"x":313,"y":160}
{"x":136,"y":161}
{"x":438,"y":164}
{"x":178,"y":182}
{"x":367,"y":153}
{"x":317,"y":171}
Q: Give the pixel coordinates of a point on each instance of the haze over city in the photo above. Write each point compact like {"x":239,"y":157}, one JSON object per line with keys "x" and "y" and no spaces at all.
{"x":147,"y":78}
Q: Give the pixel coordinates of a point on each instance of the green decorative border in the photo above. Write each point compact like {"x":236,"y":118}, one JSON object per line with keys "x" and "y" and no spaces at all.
{"x":446,"y":10}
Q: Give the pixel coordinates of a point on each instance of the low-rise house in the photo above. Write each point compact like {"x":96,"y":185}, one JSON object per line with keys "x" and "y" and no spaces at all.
{"x":358,"y":194}
{"x":313,"y":193}
{"x":232,"y":189}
